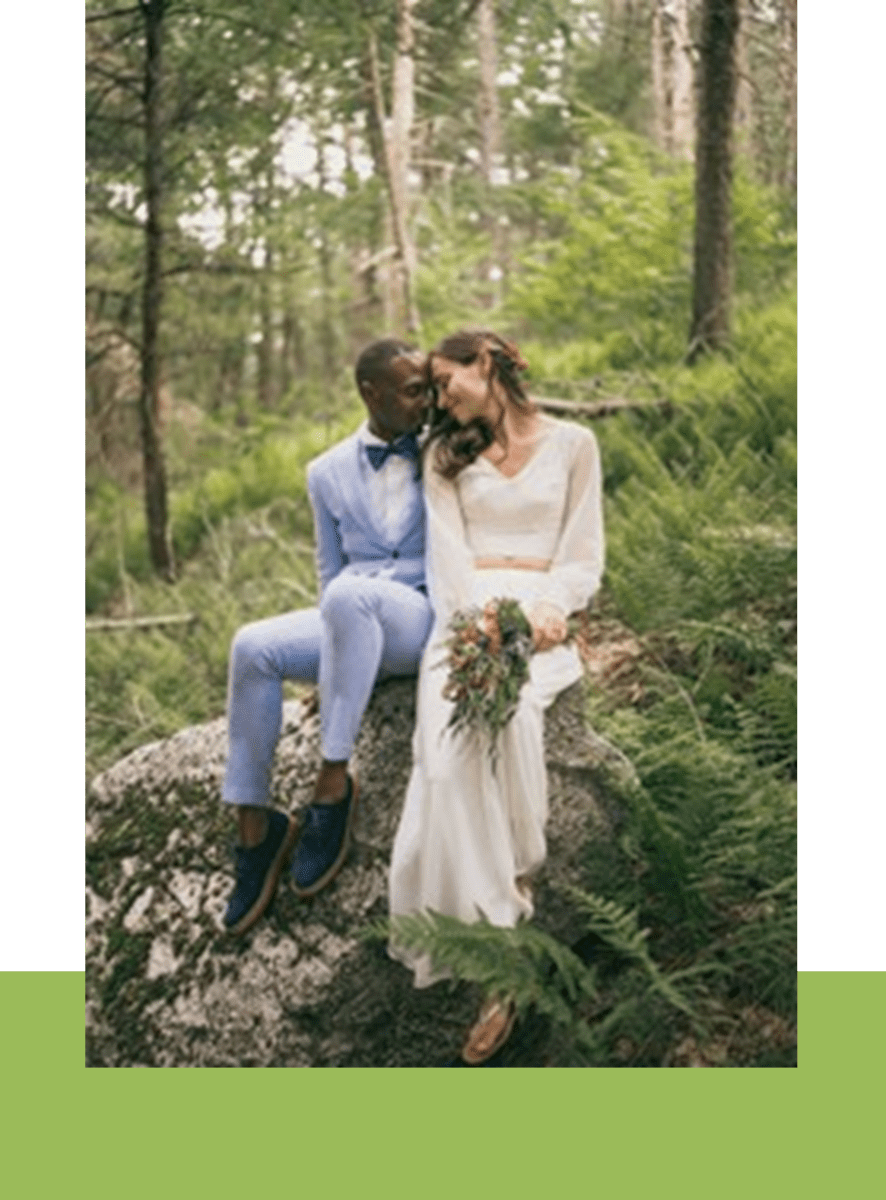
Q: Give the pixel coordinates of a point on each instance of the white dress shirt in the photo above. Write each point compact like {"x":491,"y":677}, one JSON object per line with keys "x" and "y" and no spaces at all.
{"x":393,"y":488}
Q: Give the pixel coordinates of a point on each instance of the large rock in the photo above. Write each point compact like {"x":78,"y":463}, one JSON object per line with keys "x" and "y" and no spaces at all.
{"x":167,"y":988}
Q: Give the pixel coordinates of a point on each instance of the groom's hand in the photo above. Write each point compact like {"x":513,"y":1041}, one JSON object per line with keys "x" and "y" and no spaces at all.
{"x":548,"y":625}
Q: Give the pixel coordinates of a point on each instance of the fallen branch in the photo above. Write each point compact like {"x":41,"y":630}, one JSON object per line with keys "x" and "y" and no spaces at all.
{"x":599,"y":408}
{"x":139,"y":622}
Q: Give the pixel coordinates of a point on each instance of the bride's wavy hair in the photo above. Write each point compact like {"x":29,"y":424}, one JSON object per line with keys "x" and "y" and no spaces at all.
{"x":455,"y":446}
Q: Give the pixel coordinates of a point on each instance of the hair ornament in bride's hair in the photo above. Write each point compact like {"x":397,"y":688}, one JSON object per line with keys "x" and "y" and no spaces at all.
{"x":510,"y":350}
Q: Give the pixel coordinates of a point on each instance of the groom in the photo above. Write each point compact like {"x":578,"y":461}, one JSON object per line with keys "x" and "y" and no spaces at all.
{"x":372,"y":622}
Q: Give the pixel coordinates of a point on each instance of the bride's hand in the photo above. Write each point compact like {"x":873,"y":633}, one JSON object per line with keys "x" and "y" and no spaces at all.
{"x":548,"y":625}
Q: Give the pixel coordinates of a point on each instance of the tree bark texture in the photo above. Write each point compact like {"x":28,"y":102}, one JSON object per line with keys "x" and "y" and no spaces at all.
{"x":328,"y":335}
{"x":490,"y":137}
{"x":490,"y":124}
{"x":743,"y":117}
{"x":712,"y":270}
{"x":396,"y":151}
{"x":788,"y":71}
{"x":149,"y":394}
{"x":374,"y":107}
{"x":672,"y":78}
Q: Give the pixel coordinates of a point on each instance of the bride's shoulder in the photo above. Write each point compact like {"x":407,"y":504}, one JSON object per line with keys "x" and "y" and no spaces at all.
{"x":567,"y":433}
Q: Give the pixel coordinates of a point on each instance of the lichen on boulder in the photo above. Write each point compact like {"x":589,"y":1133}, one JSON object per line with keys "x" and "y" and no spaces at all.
{"x":167,"y":987}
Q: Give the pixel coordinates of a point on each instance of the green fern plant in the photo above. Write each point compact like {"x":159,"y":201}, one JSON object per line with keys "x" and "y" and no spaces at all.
{"x":619,"y":928}
{"x":524,"y":962}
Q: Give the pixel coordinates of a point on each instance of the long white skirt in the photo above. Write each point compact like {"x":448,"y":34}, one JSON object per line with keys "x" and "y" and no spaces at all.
{"x":470,"y":832}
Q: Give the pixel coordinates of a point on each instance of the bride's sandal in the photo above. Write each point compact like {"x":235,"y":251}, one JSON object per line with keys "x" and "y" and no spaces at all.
{"x":490,"y":1031}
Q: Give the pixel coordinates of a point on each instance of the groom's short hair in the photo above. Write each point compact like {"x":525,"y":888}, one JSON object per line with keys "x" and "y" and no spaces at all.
{"x":375,"y":358}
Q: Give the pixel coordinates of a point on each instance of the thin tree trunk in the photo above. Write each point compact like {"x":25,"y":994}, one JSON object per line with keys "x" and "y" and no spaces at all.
{"x":292,"y":358}
{"x":490,"y":125}
{"x":660,"y":106}
{"x":230,"y":374}
{"x":232,"y":354}
{"x":712,"y":272}
{"x":374,"y":107}
{"x":743,"y":121}
{"x":490,"y":136}
{"x":684,"y":84}
{"x":265,"y":348}
{"x":328,"y":339}
{"x":788,"y":73}
{"x":402,"y":117}
{"x":396,"y":155}
{"x":672,"y":78}
{"x":391,"y":277}
{"x":149,"y":394}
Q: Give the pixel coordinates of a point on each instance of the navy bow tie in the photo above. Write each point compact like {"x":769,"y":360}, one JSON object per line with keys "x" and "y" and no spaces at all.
{"x":406,"y":447}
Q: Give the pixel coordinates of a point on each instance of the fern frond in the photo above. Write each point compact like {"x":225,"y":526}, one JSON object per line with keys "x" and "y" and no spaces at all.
{"x":619,"y":929}
{"x":524,"y":962}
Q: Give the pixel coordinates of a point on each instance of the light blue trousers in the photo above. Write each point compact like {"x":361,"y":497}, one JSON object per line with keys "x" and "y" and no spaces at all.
{"x":365,"y":629}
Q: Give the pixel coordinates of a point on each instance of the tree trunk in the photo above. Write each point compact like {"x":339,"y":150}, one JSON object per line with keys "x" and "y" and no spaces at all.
{"x":660,"y":109}
{"x":374,"y":107}
{"x":743,"y":119}
{"x":396,"y":151}
{"x":712,"y":273}
{"x":402,"y":117}
{"x":490,"y":126}
{"x":328,"y":337}
{"x":265,"y":348}
{"x":672,"y":77}
{"x":149,"y":394}
{"x":788,"y":74}
{"x":230,"y":374}
{"x":292,"y":357}
{"x":490,"y":138}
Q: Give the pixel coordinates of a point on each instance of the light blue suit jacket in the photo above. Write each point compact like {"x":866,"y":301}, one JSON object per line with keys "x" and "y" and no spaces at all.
{"x":349,"y":535}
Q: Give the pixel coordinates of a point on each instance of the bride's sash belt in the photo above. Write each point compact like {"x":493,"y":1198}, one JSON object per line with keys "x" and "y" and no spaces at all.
{"x":494,"y":563}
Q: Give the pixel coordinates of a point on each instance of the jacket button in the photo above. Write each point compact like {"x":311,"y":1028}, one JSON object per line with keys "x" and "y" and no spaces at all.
{"x":395,"y":554}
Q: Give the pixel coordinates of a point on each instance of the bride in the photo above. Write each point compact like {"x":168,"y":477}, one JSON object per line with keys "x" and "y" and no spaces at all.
{"x":514,"y":509}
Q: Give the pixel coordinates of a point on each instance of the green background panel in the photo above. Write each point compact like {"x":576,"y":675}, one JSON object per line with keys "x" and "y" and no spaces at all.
{"x":811,"y":1131}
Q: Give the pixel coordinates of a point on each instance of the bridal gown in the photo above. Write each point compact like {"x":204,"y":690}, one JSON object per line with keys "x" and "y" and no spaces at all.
{"x":470,"y":829}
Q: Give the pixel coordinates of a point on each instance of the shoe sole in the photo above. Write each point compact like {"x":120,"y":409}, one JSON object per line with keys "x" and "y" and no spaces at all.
{"x":272,"y":878}
{"x":331,"y":872}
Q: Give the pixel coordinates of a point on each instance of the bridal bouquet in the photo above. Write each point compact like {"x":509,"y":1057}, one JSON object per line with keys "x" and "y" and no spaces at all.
{"x":489,"y":651}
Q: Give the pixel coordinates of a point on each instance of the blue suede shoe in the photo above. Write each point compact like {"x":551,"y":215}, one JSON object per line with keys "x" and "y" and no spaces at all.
{"x":324,"y":842}
{"x":258,"y":870}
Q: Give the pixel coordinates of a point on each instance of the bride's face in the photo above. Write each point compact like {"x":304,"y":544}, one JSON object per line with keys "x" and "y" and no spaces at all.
{"x":464,"y":391}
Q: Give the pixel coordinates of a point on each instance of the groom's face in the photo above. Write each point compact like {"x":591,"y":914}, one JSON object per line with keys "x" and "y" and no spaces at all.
{"x":397,"y":400}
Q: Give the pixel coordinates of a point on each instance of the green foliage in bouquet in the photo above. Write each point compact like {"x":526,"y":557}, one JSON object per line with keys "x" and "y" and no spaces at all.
{"x":489,"y":651}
